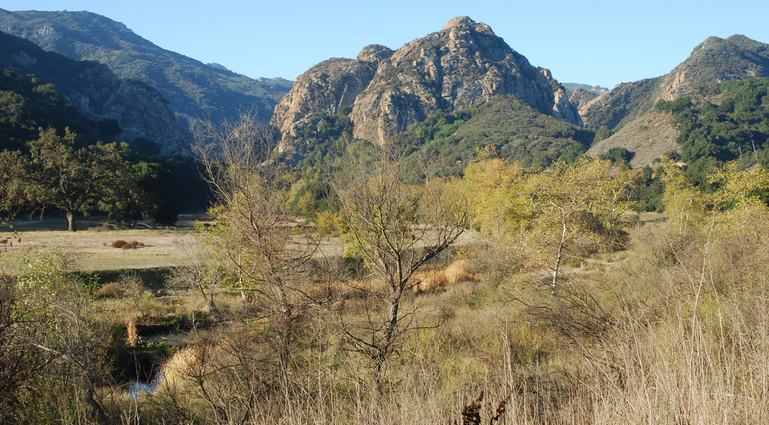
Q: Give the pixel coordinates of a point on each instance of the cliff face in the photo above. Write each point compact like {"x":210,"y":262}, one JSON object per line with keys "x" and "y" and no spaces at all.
{"x":463,"y":65}
{"x":327,"y":88}
{"x":98,"y":94}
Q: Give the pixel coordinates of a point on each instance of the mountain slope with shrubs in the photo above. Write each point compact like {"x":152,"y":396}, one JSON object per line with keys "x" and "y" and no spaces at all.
{"x":96,"y":93}
{"x":712,"y":62}
{"x":195,"y":91}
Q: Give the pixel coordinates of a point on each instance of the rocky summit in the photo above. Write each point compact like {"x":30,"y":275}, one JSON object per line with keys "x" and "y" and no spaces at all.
{"x":461,"y":66}
{"x":327,"y":88}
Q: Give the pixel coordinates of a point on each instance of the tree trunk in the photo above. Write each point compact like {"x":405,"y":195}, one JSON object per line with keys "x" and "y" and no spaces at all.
{"x":558,"y":260}
{"x":208,"y":298}
{"x":210,"y":307}
{"x":286,"y":334}
{"x":392,"y":324}
{"x":97,"y":408}
{"x":71,"y":221}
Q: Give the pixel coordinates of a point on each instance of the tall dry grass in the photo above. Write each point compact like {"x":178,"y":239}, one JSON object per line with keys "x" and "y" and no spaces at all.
{"x":132,"y":333}
{"x":690,"y":339}
{"x":673,"y":331}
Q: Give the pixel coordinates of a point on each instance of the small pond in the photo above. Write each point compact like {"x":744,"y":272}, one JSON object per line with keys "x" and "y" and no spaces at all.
{"x":139,"y":387}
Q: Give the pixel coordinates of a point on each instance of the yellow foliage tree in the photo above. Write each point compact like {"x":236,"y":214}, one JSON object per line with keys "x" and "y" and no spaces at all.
{"x":575,"y":209}
{"x":565,"y":211}
{"x":492,"y":188}
{"x":739,"y":188}
{"x":685,"y":205}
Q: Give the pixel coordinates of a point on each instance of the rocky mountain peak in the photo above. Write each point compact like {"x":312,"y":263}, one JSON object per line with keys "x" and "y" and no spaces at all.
{"x":461,"y":66}
{"x":459,"y":21}
{"x":325,"y":89}
{"x":629,"y":106}
{"x":375,"y":53}
{"x":711,"y":62}
{"x":462,"y":25}
{"x":715,"y":60}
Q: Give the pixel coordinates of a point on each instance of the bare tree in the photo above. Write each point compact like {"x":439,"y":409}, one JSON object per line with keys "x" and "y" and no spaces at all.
{"x":204,"y":273}
{"x":270,"y":251}
{"x":396,"y":229}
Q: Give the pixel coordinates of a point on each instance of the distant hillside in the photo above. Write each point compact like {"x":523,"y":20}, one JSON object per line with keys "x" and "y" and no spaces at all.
{"x":194,"y":90}
{"x":580,"y":94}
{"x":28,"y":104}
{"x":712,"y":62}
{"x":571,"y":87}
{"x":384,"y":92}
{"x":730,"y":125}
{"x":648,"y":137}
{"x":624,"y":102}
{"x":90,"y":88}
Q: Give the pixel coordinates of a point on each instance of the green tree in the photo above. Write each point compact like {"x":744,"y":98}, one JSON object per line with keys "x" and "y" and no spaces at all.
{"x":618,"y":156}
{"x":74,"y":179}
{"x":733,"y":126}
{"x":12,"y":194}
{"x":128,"y":193}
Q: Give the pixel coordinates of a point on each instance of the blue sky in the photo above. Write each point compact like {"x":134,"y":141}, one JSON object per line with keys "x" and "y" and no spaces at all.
{"x":597,"y":42}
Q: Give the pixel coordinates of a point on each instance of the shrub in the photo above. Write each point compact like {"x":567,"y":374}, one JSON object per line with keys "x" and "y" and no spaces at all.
{"x":110,"y":290}
{"x":457,"y":272}
{"x":121,"y":244}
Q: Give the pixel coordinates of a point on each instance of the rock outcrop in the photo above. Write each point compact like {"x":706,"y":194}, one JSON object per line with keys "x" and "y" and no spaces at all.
{"x":327,"y":88}
{"x":462,"y":66}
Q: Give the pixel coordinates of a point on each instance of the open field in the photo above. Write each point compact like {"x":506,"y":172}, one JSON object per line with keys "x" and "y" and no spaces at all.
{"x":92,"y":249}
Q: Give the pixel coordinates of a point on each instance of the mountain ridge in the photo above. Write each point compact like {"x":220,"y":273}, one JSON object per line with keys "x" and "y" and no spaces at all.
{"x":90,"y":87}
{"x":629,"y":107}
{"x":195,"y":90}
{"x":714,"y":60}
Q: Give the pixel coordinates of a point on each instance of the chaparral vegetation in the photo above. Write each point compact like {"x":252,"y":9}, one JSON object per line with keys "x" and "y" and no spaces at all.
{"x":419,"y":249}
